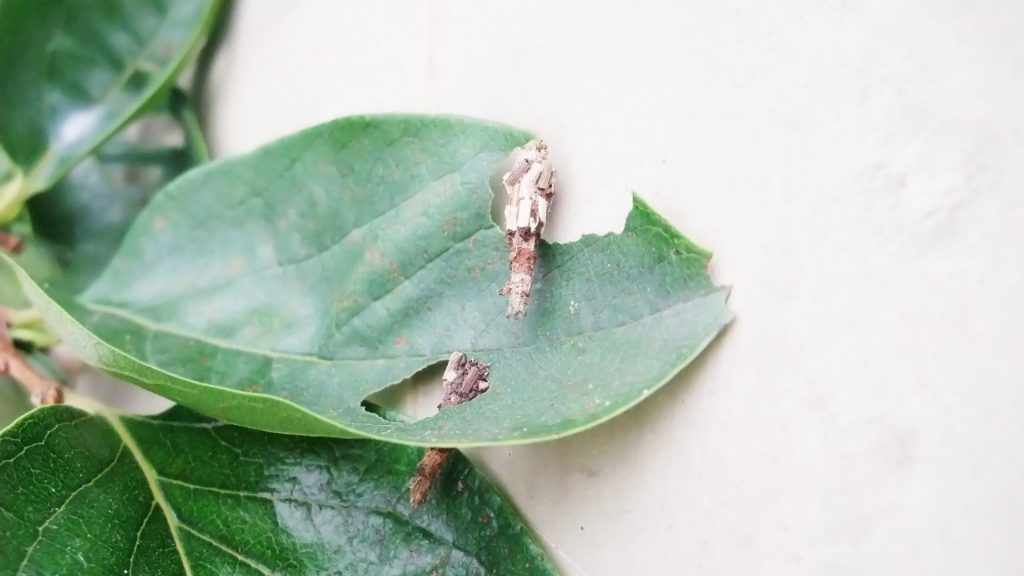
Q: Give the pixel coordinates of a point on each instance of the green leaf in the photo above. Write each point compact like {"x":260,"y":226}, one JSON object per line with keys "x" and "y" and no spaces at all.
{"x":75,"y":71}
{"x":79,"y":224}
{"x":85,"y":217}
{"x":180,"y":494}
{"x":280,"y":289}
{"x":38,"y":261}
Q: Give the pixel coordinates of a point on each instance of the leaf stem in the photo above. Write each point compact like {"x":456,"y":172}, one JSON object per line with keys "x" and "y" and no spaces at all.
{"x":184,"y":110}
{"x":13,"y":193}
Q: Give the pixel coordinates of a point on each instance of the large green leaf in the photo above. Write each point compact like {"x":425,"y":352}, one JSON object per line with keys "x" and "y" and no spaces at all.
{"x":180,"y":494}
{"x":73,"y":71}
{"x":280,"y":289}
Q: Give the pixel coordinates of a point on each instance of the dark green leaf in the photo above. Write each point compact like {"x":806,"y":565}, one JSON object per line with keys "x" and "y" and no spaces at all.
{"x":75,"y":71}
{"x":179,"y":494}
{"x":280,"y":289}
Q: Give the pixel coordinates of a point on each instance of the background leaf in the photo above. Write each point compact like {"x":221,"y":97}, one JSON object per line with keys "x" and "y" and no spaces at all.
{"x":82,"y":221}
{"x":280,"y":289}
{"x":13,"y":401}
{"x":75,"y":71}
{"x":84,"y":494}
{"x":84,"y":218}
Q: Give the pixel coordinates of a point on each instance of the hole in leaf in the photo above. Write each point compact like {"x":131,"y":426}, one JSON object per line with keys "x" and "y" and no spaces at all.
{"x":500,"y":196}
{"x":415,"y":397}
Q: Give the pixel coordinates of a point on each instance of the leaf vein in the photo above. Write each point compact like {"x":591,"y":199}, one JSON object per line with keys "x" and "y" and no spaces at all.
{"x":138,"y":538}
{"x":76,"y":492}
{"x":154,"y":487}
{"x":254,"y":564}
{"x":43,"y":441}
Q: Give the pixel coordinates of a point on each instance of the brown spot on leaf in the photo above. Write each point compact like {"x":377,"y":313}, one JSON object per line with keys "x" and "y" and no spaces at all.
{"x":449,"y":225}
{"x":395,"y":273}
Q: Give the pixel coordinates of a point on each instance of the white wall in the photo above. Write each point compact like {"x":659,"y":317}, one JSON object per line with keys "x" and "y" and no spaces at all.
{"x":858,"y":169}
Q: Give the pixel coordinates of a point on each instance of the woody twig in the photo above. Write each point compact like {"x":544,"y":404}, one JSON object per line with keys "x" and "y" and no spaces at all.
{"x":530,"y":185}
{"x":463,"y":380}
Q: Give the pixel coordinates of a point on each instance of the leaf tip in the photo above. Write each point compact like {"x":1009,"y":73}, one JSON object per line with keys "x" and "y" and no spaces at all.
{"x":642,"y":216}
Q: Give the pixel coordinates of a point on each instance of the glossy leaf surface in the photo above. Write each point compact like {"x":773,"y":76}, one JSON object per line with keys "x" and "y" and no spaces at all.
{"x":278,"y":290}
{"x":180,"y":494}
{"x":75,"y":71}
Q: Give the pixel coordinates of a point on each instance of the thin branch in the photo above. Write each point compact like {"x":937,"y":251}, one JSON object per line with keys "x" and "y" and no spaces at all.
{"x":11,"y":242}
{"x":463,"y":380}
{"x":41,"y":389}
{"x":531,"y":187}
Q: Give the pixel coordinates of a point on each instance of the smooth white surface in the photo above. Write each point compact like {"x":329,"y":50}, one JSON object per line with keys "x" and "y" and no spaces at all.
{"x":858,"y":169}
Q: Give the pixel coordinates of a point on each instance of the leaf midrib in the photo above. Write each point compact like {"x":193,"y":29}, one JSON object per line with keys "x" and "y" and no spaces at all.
{"x":151,"y":326}
{"x":160,"y":499}
{"x":154,"y":486}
